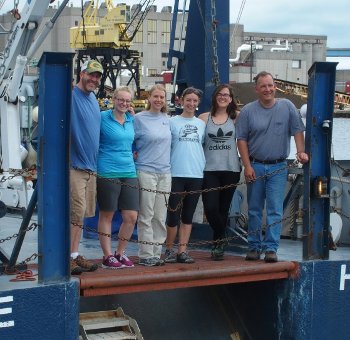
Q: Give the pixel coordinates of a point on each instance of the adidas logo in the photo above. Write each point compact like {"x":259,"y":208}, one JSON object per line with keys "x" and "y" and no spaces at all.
{"x":220,"y":136}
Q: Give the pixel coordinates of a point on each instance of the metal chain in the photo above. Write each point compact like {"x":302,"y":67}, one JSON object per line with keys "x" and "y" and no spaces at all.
{"x":14,"y":269}
{"x":185,"y":193}
{"x":33,"y":226}
{"x":216,"y":75}
{"x":27,"y":172}
{"x":11,"y":36}
{"x":216,"y":79}
{"x":190,"y":244}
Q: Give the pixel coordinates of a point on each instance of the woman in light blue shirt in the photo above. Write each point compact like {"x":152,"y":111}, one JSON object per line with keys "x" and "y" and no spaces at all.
{"x":187,"y":165}
{"x":152,"y":144}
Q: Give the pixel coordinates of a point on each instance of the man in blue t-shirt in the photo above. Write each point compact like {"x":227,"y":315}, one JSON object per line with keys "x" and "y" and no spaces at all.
{"x":85,"y":134}
{"x":264,"y":128}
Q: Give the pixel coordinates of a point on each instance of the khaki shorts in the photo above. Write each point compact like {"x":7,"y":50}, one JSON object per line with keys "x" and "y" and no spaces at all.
{"x":82,"y":195}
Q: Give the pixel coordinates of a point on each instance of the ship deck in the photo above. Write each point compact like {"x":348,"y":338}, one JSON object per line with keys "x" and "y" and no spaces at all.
{"x":204,"y":272}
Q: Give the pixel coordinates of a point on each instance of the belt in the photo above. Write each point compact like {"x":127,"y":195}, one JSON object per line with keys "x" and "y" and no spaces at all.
{"x":252,"y":159}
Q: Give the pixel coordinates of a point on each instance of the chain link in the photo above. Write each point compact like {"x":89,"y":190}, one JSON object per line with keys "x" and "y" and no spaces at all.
{"x":11,"y":36}
{"x":14,"y":269}
{"x":216,"y":75}
{"x":214,"y":49}
{"x":27,"y":172}
{"x":33,"y":226}
{"x":225,"y":240}
{"x":184,"y":193}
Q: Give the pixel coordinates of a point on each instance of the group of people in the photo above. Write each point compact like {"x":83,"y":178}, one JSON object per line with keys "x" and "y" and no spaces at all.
{"x":146,"y":165}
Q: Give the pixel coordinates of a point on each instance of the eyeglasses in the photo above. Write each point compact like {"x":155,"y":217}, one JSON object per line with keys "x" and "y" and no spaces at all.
{"x":120,"y":100}
{"x":224,"y":95}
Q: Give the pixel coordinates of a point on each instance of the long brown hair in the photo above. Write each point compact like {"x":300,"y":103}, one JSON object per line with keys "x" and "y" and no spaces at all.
{"x":231,"y":108}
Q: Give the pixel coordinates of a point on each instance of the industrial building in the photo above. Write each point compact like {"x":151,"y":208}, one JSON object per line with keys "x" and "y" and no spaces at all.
{"x":286,"y":56}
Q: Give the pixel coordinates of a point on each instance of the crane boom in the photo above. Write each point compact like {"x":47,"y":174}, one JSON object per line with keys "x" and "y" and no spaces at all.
{"x":17,"y":97}
{"x":22,"y":35}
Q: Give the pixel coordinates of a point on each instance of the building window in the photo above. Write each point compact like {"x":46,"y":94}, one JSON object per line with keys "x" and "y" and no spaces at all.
{"x":165,"y":31}
{"x":76,"y":23}
{"x":138,"y":36}
{"x":296,"y":63}
{"x":152,"y":31}
{"x":165,"y":55}
{"x":152,"y":72}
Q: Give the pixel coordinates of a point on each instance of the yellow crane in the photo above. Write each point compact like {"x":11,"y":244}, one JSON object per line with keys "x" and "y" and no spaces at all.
{"x":109,"y":31}
{"x":108,"y":40}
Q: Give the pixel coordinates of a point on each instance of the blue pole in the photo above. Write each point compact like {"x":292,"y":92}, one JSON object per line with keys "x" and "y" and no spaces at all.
{"x":53,"y":166}
{"x":207,"y":37}
{"x":317,"y":172}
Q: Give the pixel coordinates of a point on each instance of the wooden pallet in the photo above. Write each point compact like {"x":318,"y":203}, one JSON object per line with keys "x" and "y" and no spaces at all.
{"x":108,"y":325}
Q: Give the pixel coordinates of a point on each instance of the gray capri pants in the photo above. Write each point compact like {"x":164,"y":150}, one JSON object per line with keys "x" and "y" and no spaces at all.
{"x":112,"y":195}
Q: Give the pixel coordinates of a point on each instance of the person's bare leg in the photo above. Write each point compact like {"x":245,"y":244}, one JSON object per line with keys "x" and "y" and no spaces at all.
{"x":126,"y":229}
{"x":75,"y":236}
{"x":105,"y":226}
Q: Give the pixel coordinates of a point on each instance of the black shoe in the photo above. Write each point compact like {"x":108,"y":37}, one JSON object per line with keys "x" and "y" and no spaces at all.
{"x":151,"y":262}
{"x":252,"y":255}
{"x":270,"y":256}
{"x":170,"y":256}
{"x":217,"y":253}
{"x":184,"y":258}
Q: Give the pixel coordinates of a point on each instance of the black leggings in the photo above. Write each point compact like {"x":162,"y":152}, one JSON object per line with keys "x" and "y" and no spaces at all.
{"x":217,"y":203}
{"x":189,"y":203}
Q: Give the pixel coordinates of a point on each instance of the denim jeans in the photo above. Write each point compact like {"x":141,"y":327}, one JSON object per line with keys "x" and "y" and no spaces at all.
{"x":272,"y":190}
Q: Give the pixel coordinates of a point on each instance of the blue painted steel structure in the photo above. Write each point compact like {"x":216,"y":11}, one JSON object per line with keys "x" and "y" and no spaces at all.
{"x":53,"y":179}
{"x":318,"y":145}
{"x":206,"y":48}
{"x":48,"y":309}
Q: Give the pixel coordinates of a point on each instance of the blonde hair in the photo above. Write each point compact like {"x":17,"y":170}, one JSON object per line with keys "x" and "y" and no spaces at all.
{"x":160,"y":88}
{"x":122,"y":89}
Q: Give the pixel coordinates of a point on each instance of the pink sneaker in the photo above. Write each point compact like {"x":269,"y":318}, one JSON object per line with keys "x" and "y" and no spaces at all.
{"x":110,"y":262}
{"x":124,"y":260}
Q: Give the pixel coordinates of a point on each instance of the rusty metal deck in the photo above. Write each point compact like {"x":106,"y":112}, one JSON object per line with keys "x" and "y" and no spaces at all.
{"x":204,"y":272}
